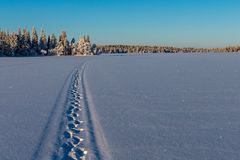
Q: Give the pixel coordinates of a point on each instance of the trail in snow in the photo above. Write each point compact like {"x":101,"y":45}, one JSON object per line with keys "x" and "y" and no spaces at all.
{"x":77,"y":139}
{"x":96,"y":140}
{"x":40,"y":151}
{"x":70,"y":142}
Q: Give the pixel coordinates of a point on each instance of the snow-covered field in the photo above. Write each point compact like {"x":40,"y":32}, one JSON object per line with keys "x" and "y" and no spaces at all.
{"x":137,"y":107}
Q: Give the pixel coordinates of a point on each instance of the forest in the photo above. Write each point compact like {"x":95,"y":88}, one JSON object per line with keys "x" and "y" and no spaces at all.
{"x":25,"y":44}
{"x":162,"y":49}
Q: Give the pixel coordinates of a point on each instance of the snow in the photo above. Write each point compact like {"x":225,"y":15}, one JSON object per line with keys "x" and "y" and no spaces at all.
{"x":32,"y":94}
{"x":167,"y":106}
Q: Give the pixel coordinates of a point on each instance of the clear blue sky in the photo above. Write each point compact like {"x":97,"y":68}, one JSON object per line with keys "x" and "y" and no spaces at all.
{"x":193,"y":23}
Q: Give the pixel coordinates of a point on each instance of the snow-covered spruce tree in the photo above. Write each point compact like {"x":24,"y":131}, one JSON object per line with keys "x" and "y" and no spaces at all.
{"x":52,"y":43}
{"x":13,"y":44}
{"x":84,"y":46}
{"x":26,"y":43}
{"x":63,"y":47}
{"x":95,"y":50}
{"x":6,"y":44}
{"x":73,"y":41}
{"x":48,"y":45}
{"x":65,"y":43}
{"x":43,"y":43}
{"x":19,"y":51}
{"x":21,"y":44}
{"x":2,"y":43}
{"x":73,"y":46}
{"x":34,"y":48}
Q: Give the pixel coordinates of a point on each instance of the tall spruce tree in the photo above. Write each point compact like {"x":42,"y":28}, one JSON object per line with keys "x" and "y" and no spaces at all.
{"x":34,"y":40}
{"x":53,"y":41}
{"x":65,"y":43}
{"x":20,"y":42}
{"x":26,"y":42}
{"x":87,"y":38}
{"x":13,"y":44}
{"x":43,"y":42}
{"x":48,"y":43}
{"x":73,"y":41}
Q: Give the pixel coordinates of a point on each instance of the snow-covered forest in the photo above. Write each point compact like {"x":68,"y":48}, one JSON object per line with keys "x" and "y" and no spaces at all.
{"x":23,"y":43}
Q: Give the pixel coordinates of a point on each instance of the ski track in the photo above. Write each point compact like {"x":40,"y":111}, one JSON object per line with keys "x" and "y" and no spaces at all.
{"x":97,"y":142}
{"x":48,"y":129}
{"x":76,"y":134}
{"x":70,"y":144}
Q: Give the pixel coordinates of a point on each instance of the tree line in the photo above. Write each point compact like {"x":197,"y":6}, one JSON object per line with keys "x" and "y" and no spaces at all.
{"x":161,"y":49}
{"x":23,"y":43}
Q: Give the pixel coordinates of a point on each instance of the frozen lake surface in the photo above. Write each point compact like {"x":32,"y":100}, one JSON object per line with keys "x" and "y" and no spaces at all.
{"x":182,"y":106}
{"x":166,"y":107}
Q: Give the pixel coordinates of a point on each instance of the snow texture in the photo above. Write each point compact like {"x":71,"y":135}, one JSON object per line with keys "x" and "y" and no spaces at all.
{"x":118,"y":107}
{"x":167,"y":107}
{"x":33,"y":101}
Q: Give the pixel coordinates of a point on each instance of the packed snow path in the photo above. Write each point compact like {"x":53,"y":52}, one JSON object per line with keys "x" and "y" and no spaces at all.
{"x":70,"y":144}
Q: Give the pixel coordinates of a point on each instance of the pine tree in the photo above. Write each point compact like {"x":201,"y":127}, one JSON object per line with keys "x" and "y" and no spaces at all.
{"x":20,"y":42}
{"x":43,"y":43}
{"x":6,"y":44}
{"x":64,"y":39}
{"x":73,"y":41}
{"x":87,"y":38}
{"x":60,"y":39}
{"x":84,"y":46}
{"x":13,"y":44}
{"x":53,"y":41}
{"x":65,"y":44}
{"x":73,"y":47}
{"x":34,"y":40}
{"x":48,"y":43}
{"x":26,"y":42}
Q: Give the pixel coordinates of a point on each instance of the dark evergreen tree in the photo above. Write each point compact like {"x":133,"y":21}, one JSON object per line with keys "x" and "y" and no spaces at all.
{"x":34,"y":41}
{"x":20,"y":43}
{"x":26,"y":43}
{"x":53,"y":41}
{"x":48,"y":43}
{"x":43,"y":43}
{"x":87,"y":38}
{"x":73,"y":41}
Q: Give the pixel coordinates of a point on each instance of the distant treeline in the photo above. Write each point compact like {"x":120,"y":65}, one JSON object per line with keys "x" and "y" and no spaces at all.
{"x":23,"y":43}
{"x":161,"y":49}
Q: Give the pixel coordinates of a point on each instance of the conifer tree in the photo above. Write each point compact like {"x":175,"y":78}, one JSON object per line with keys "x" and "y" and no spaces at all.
{"x":43,"y":42}
{"x":64,"y":43}
{"x":26,"y":42}
{"x":48,"y":42}
{"x":73,"y":41}
{"x":53,"y":41}
{"x":20,"y":42}
{"x":87,"y":38}
{"x":73,"y":46}
{"x":34,"y":40}
{"x":64,"y":39}
{"x":13,"y":44}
